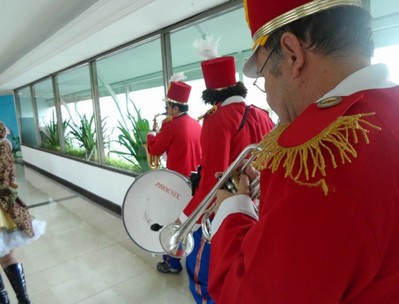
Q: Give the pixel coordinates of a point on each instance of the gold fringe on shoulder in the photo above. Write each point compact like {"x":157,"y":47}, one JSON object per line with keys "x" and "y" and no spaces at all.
{"x":303,"y":162}
{"x":167,"y":118}
{"x":211,"y":111}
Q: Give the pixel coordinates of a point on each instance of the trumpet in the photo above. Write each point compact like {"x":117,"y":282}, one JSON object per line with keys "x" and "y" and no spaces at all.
{"x":177,"y":239}
{"x":154,"y":161}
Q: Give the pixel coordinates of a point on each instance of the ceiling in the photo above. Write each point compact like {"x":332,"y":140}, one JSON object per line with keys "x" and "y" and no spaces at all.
{"x":40,"y":37}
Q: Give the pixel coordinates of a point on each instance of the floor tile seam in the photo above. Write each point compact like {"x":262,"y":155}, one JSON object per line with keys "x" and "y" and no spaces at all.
{"x":51,"y":201}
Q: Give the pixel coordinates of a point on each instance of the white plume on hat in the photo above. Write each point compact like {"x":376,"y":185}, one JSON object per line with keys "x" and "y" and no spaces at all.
{"x":207,"y":48}
{"x":178,"y":77}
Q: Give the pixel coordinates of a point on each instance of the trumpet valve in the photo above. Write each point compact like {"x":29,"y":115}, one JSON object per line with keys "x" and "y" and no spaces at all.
{"x":254,"y":188}
{"x":232,"y":183}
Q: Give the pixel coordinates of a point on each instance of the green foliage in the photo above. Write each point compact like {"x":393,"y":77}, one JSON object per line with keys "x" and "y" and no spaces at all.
{"x":81,"y":153}
{"x":16,"y":143}
{"x":85,"y":134}
{"x":133,"y":138}
{"x":121,"y":164}
{"x":51,"y":138}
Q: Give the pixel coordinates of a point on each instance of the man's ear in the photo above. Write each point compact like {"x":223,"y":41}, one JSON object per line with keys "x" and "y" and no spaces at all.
{"x":293,"y":52}
{"x":175,"y":109}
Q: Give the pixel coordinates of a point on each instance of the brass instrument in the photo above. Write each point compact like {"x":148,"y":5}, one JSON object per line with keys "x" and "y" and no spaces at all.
{"x":154,"y":161}
{"x":177,"y":239}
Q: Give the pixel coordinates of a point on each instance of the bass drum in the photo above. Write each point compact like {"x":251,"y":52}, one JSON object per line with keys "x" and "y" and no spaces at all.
{"x":155,"y":198}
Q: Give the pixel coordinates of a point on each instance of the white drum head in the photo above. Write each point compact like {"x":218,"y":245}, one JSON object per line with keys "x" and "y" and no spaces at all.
{"x":155,"y":197}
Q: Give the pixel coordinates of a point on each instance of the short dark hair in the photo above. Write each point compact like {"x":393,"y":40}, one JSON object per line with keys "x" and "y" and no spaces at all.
{"x":210,"y":96}
{"x":331,"y":32}
{"x":182,"y":107}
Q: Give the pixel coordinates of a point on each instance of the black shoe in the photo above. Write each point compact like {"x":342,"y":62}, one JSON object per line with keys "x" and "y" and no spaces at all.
{"x":165,"y":268}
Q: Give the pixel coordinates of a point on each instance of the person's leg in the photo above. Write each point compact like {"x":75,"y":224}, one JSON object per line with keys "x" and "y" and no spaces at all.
{"x":197,"y":265}
{"x":3,"y":293}
{"x":15,"y":274}
{"x":169,"y":265}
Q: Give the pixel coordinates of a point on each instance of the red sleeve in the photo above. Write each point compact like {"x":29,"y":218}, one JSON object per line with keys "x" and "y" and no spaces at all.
{"x":158,"y":144}
{"x":297,"y":253}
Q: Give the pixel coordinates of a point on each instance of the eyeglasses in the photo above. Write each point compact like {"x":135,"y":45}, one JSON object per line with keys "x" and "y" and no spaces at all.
{"x":262,"y":87}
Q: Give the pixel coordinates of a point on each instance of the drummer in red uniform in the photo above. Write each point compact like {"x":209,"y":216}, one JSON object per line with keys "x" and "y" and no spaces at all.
{"x":179,"y":137}
{"x":327,"y":228}
{"x":227,"y":128}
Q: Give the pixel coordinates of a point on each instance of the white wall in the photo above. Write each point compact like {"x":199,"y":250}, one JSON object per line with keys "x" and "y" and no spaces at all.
{"x":104,"y":183}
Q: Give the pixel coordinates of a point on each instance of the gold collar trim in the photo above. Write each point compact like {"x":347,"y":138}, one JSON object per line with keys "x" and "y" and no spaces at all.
{"x":303,"y":162}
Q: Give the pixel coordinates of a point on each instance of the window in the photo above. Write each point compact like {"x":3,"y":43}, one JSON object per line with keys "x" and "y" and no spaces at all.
{"x":385,"y":27}
{"x":131,"y":89}
{"x":27,"y":118}
{"x":235,"y":39}
{"x":77,"y":113}
{"x":47,"y":115}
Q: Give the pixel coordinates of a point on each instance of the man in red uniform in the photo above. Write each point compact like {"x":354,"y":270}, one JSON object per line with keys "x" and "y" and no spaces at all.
{"x":327,"y":228}
{"x":179,"y":137}
{"x":227,"y":129}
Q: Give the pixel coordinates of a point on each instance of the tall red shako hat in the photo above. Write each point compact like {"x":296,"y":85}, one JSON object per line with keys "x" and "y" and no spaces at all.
{"x":178,"y":91}
{"x":219,"y":72}
{"x":266,"y":16}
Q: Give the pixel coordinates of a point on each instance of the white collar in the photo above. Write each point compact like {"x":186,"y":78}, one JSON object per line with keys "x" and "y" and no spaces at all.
{"x":370,"y":77}
{"x":232,"y":99}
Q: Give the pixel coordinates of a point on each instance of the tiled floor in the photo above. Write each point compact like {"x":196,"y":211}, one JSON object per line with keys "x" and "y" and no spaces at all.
{"x":86,"y":255}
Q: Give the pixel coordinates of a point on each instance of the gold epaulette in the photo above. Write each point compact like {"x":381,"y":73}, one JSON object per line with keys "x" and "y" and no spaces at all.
{"x":211,"y":111}
{"x":303,"y":161}
{"x":167,"y":118}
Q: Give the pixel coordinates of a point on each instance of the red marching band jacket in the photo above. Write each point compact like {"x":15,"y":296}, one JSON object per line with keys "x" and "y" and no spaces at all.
{"x":326,"y":232}
{"x":180,"y":139}
{"x":225,"y":133}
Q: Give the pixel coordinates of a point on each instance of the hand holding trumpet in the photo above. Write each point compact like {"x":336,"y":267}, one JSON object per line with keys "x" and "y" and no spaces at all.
{"x":177,"y":240}
{"x":248,"y":184}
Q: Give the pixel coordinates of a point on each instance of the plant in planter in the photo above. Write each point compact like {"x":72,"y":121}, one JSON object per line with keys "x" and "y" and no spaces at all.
{"x":16,"y":147}
{"x":50,"y":135}
{"x":85,"y":134}
{"x":133,"y":138}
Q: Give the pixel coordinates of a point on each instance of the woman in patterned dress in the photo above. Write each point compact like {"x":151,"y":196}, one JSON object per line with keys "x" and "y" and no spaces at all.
{"x":17,"y":228}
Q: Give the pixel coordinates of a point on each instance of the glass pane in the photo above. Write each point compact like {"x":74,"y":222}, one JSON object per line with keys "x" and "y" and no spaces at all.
{"x":131,"y":91}
{"x":385,"y":25}
{"x":47,"y":117}
{"x":27,"y":118}
{"x":77,"y":113}
{"x":235,"y":40}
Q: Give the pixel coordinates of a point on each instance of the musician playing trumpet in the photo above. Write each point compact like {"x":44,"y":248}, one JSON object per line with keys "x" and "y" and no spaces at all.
{"x":327,"y":228}
{"x":179,"y":138}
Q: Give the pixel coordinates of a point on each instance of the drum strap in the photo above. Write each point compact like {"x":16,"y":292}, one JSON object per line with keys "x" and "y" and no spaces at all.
{"x":244,"y":118}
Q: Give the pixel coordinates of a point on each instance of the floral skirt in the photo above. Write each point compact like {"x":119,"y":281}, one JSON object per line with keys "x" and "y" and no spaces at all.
{"x":12,"y":237}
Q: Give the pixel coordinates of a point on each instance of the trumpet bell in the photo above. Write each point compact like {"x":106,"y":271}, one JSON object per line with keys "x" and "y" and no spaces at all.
{"x":173,"y":246}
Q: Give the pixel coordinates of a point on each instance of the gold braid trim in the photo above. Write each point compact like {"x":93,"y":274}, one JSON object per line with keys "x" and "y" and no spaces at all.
{"x":167,"y":118}
{"x":211,"y":111}
{"x":303,"y":162}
